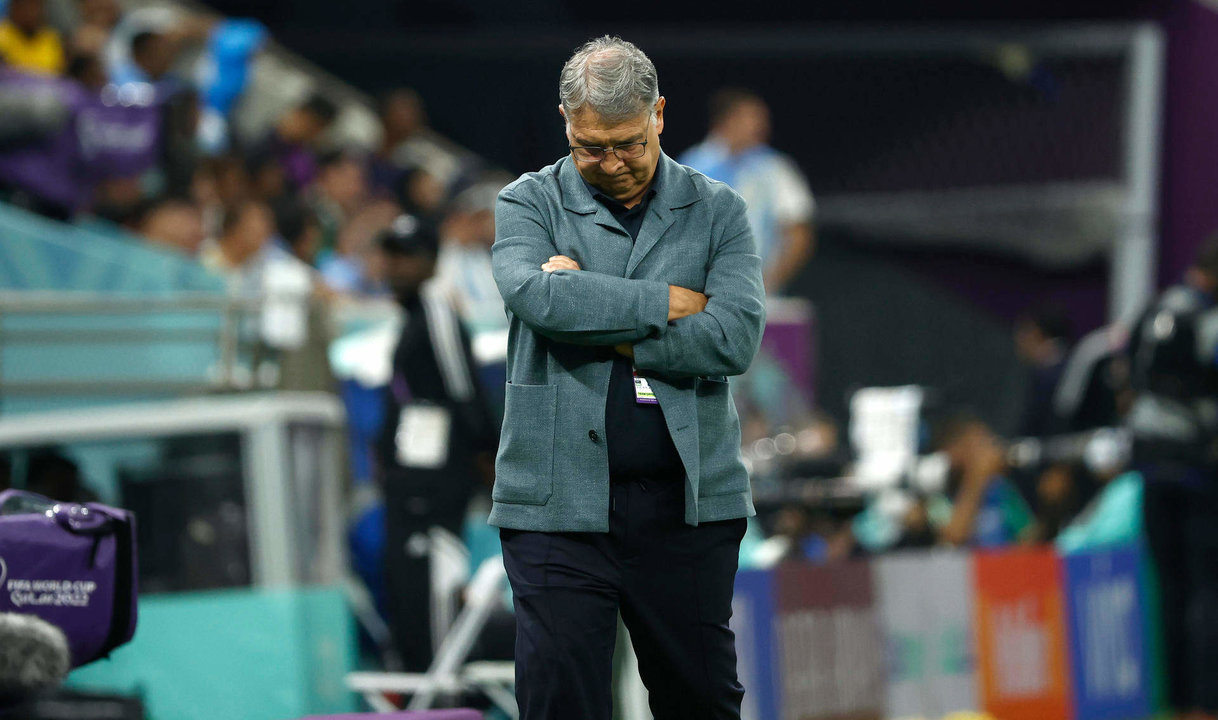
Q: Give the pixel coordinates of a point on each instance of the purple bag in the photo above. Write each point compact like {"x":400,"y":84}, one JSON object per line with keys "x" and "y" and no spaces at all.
{"x":71,"y":565}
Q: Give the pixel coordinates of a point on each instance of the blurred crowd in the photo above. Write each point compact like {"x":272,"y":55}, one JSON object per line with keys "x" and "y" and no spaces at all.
{"x":126,"y":120}
{"x":291,"y":205}
{"x":155,"y":91}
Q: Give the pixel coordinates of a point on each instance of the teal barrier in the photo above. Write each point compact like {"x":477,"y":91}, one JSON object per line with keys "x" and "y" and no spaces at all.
{"x":42,"y":254}
{"x":60,"y":357}
{"x":248,"y":654}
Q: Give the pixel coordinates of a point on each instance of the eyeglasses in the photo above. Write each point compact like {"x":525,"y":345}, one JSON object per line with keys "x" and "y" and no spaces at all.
{"x":593,"y":153}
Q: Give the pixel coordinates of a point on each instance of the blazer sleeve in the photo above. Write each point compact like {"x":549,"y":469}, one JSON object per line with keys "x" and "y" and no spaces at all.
{"x":723,"y":338}
{"x":572,"y":306}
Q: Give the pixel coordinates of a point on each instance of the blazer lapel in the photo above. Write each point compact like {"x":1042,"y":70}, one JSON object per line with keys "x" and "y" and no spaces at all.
{"x":658,"y":219}
{"x":676,"y":190}
{"x":577,"y":199}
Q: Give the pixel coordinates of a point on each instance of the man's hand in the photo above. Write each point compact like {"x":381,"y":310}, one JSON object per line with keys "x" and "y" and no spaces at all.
{"x":625,"y":349}
{"x":562,"y":262}
{"x":683,"y":302}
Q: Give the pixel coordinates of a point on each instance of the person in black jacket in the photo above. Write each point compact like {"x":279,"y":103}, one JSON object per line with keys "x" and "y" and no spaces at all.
{"x":1174,"y":424}
{"x":439,"y":437}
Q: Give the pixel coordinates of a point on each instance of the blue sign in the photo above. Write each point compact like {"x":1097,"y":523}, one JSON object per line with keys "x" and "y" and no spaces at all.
{"x":1110,"y":654}
{"x":753,"y":619}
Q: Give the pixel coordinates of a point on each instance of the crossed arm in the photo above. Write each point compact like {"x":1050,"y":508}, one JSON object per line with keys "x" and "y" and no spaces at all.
{"x":682,"y":302}
{"x":670,"y":330}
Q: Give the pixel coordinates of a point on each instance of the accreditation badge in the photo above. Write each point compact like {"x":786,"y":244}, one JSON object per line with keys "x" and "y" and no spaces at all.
{"x":643,"y":394}
{"x":422,"y":436}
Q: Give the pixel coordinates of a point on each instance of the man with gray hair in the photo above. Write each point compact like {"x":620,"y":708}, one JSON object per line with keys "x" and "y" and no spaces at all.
{"x":633,"y":290}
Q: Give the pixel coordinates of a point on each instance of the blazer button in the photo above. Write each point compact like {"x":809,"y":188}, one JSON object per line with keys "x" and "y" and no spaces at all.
{"x":593,"y":436}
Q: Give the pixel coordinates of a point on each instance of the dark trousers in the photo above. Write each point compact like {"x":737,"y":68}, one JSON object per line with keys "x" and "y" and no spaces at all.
{"x":1181,"y":518}
{"x":415,"y":502}
{"x":672,"y":584}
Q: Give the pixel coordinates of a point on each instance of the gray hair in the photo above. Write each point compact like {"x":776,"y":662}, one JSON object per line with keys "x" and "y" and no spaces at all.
{"x":612,"y":78}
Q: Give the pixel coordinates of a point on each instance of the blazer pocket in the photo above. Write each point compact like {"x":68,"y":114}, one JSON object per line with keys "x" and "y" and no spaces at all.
{"x":524,"y":470}
{"x":719,"y":440}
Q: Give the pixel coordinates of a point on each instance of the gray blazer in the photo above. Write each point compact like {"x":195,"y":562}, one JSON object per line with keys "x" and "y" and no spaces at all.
{"x":552,"y":471}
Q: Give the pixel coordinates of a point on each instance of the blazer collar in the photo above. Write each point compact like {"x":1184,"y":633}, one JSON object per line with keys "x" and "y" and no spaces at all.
{"x":674,"y":190}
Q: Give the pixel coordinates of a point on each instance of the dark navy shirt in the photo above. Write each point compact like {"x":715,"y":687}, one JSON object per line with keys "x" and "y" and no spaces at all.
{"x":639,"y":442}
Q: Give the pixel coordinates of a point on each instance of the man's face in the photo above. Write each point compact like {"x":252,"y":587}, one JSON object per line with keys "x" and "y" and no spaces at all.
{"x":28,"y":15}
{"x":747,"y":126}
{"x":1029,"y":341}
{"x":255,"y":228}
{"x":972,"y":440}
{"x":622,"y":180}
{"x":402,"y":117}
{"x":344,"y":183}
{"x":177,"y":225}
{"x":157,"y":56}
{"x":406,"y":272}
{"x":103,"y":13}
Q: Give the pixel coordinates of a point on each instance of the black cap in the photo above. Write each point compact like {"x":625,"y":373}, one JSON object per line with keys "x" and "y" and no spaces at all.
{"x":409,"y":235}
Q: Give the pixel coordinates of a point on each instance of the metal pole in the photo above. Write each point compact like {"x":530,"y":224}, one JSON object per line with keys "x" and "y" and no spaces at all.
{"x":1135,"y":252}
{"x":229,"y":327}
{"x":267,"y":497}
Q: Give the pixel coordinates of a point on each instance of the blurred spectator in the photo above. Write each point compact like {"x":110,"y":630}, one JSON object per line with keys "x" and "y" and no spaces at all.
{"x":438,"y":442}
{"x":293,"y":139}
{"x":298,"y":229}
{"x":1094,"y":389}
{"x":780,"y":205}
{"x":1042,"y":337}
{"x":268,"y":179}
{"x":118,"y":199}
{"x":179,"y":151}
{"x":1062,"y":490}
{"x":407,"y":142}
{"x":247,"y":228}
{"x":152,"y":56}
{"x":354,"y":268}
{"x":257,"y":267}
{"x":87,"y":69}
{"x":225,"y":66}
{"x":401,"y":115}
{"x":1059,"y":491}
{"x":1174,"y":421}
{"x":176,"y":224}
{"x":147,"y":43}
{"x":27,"y":42}
{"x":980,"y":508}
{"x":463,"y":268}
{"x":340,"y":190}
{"x":97,"y":20}
{"x":420,"y":193}
{"x":219,"y":183}
{"x":244,"y":250}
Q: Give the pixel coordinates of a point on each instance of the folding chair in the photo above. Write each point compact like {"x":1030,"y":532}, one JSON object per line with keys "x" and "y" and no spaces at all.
{"x":449,"y":673}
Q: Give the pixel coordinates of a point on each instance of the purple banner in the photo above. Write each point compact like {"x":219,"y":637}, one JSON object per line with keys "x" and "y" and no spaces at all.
{"x":111,"y":134}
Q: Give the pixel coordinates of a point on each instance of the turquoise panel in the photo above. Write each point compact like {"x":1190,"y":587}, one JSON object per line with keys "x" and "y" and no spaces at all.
{"x":38,"y":254}
{"x":249,"y":654}
{"x":42,"y":254}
